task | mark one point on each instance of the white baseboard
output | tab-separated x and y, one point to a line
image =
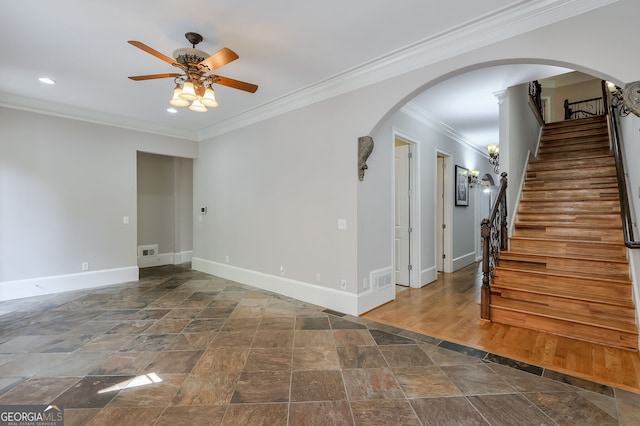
182	257
428	276
375	297
18	289
337	300
165	259
462	261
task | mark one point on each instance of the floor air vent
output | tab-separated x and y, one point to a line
148	256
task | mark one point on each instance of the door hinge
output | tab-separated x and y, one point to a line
410	267
444	225
410	229
410	155
444	256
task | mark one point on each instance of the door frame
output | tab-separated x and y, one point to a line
414	208
446	204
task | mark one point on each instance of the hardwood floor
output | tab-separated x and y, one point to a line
448	309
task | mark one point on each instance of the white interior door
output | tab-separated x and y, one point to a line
402	214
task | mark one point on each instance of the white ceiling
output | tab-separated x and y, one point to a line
284	47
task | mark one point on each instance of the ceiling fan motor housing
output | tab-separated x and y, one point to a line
189	55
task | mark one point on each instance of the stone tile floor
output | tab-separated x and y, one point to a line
179	347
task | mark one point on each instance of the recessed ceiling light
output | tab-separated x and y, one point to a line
172	110
46	80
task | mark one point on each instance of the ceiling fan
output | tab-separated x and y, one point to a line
194	83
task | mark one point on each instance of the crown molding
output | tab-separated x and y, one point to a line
90	116
415	112
480	32
523	17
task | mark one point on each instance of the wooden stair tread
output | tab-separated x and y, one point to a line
555	291
511	255
601	288
601	243
540	310
593	186
573	274
565	224
602	336
567	272
571	152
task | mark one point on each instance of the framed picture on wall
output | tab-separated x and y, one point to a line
462	186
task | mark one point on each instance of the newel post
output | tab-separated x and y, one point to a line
485	295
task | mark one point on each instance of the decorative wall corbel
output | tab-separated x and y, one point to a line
365	146
628	99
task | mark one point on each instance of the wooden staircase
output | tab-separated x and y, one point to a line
566	270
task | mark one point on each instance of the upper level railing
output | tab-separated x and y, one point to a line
613	106
585	108
535	101
493	232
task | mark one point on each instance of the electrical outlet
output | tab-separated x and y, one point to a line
343	284
226	259
365	284
318	277
282	271
85	266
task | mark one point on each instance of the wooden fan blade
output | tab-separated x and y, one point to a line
220	58
236	84
154	52
152	76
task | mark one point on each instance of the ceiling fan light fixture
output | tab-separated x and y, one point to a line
197	106
194	83
176	100
209	98
188	92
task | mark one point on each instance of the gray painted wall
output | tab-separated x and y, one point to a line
66	186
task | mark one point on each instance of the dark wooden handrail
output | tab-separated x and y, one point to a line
584	108
493	231
613	119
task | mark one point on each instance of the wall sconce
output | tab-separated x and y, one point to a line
473	177
494	157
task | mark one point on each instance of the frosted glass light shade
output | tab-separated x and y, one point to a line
197	106
176	100
188	92
209	98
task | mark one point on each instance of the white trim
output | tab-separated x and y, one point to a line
337	300
10	290
634	271
373	298
475	34
82	114
464	260
422	116
165	259
428	275
416	235
182	257
514	214
447	244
